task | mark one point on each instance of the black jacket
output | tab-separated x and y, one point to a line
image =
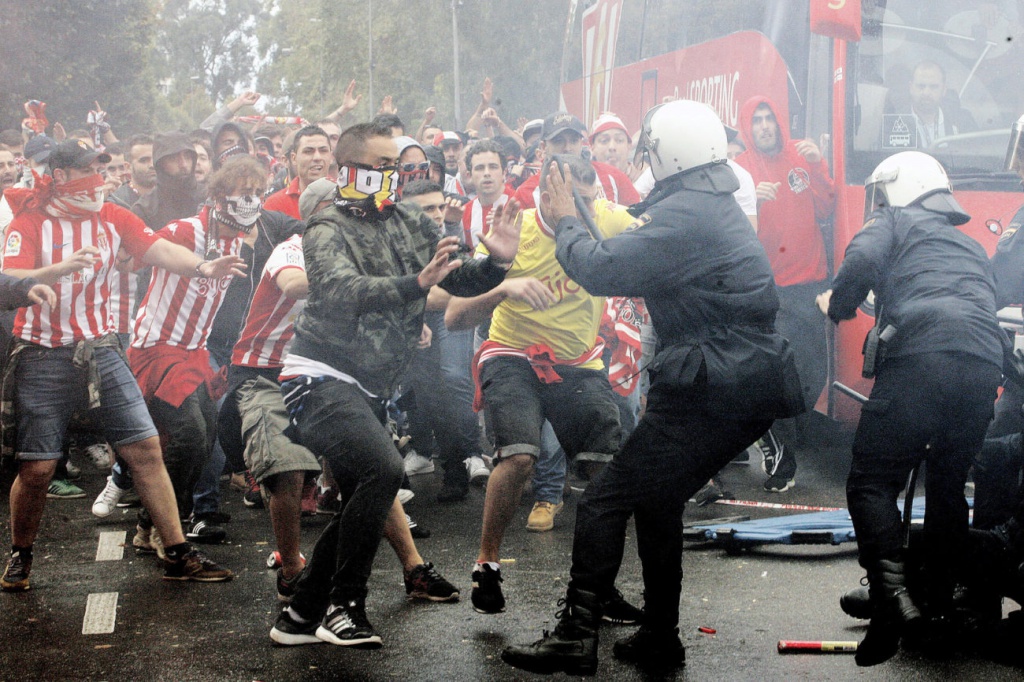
1008	263
14	291
931	281
709	288
364	314
172	198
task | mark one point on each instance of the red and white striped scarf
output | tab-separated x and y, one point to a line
620	329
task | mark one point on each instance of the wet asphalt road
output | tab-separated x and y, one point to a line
175	631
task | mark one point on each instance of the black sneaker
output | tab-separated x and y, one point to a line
347	625
426	583
286	586
197	567
486	595
709	494
418	531
290	632
15	578
205	531
773	451
778	484
615	609
652	649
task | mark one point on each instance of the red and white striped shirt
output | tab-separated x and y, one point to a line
476	218
179	311
124	291
270	326
36	240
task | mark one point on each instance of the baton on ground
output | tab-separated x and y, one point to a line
797	647
775	505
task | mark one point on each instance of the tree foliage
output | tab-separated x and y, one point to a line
161	64
71	53
209	44
313	48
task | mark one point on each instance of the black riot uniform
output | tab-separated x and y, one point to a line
997	471
720	376
935	387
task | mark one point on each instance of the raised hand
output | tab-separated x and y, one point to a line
222	267
441	264
502	241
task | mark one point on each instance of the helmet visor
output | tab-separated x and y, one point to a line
874	198
644	145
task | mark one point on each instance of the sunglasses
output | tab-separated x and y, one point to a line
414	167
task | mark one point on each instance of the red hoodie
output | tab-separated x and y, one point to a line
788	226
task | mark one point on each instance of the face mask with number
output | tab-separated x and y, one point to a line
362	187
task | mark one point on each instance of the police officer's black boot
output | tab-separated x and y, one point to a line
892	612
572	647
856	603
652	648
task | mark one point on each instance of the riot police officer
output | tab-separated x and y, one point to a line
721	374
934	385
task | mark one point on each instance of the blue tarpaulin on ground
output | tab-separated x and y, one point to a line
817	528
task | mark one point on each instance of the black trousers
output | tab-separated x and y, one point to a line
932	406
344	426
187	433
673	451
997	490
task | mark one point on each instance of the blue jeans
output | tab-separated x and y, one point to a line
206	498
50	389
549	471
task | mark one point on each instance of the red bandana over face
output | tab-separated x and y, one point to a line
78	198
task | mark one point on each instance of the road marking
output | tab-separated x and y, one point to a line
111	547
100	613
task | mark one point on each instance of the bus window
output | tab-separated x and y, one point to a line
940	77
649	89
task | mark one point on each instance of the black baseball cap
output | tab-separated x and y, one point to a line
75	154
39	148
561	121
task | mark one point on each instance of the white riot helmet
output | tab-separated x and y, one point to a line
680	136
912	178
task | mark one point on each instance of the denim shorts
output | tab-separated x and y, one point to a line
50	390
580	408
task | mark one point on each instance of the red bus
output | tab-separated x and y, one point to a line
840	71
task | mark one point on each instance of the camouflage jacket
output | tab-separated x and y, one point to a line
364	314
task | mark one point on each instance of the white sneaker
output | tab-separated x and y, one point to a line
99	454
415	464
404	495
477	470
107	501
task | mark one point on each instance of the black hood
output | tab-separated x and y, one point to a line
243	142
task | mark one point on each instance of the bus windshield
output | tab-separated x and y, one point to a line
942	77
